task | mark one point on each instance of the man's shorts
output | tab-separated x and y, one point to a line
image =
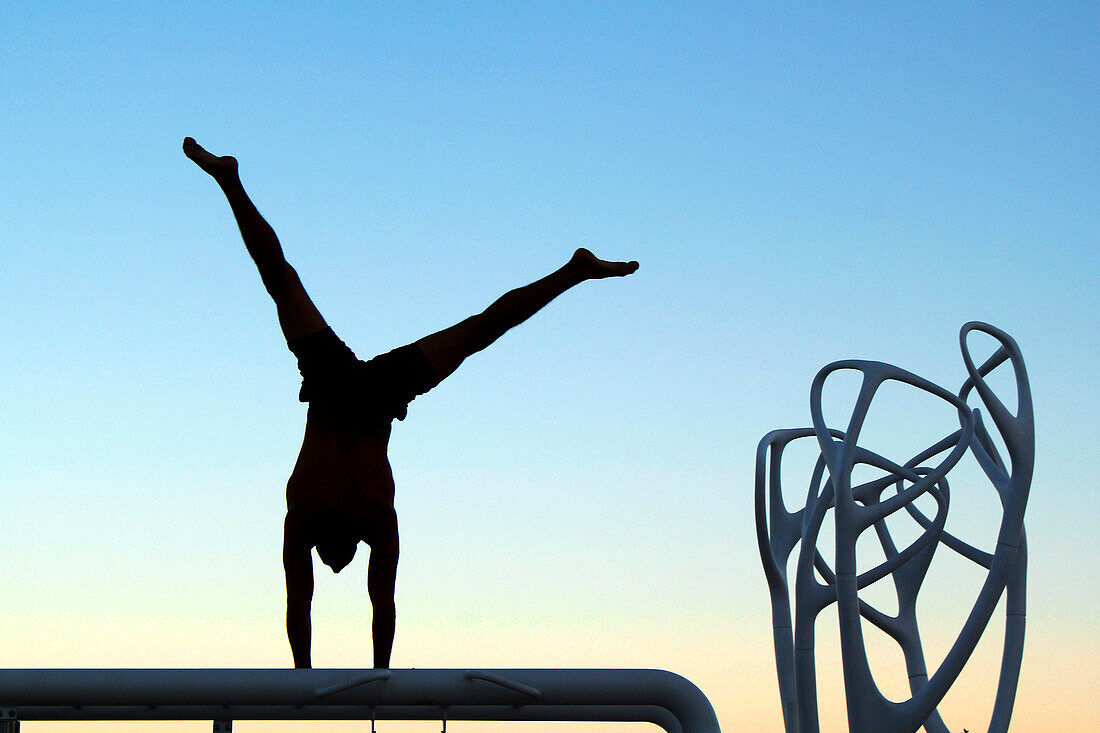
335	381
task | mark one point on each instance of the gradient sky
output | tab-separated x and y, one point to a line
800	184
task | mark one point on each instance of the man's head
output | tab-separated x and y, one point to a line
337	552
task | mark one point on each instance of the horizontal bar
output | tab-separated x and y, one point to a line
500	713
409	694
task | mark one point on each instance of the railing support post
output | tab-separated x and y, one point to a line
9	720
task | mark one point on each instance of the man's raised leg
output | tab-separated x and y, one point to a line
448	348
298	316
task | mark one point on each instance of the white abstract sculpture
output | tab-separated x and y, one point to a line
866	506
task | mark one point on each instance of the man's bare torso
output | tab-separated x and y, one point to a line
342	471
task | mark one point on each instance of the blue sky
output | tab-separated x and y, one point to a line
800	184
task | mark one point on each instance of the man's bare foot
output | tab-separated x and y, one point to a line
217	166
591	267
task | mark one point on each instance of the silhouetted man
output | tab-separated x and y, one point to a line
341	490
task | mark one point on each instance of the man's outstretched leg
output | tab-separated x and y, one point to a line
298	316
447	349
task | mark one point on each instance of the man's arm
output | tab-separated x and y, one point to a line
298	566
381	582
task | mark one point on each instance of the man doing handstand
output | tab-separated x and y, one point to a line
341	490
